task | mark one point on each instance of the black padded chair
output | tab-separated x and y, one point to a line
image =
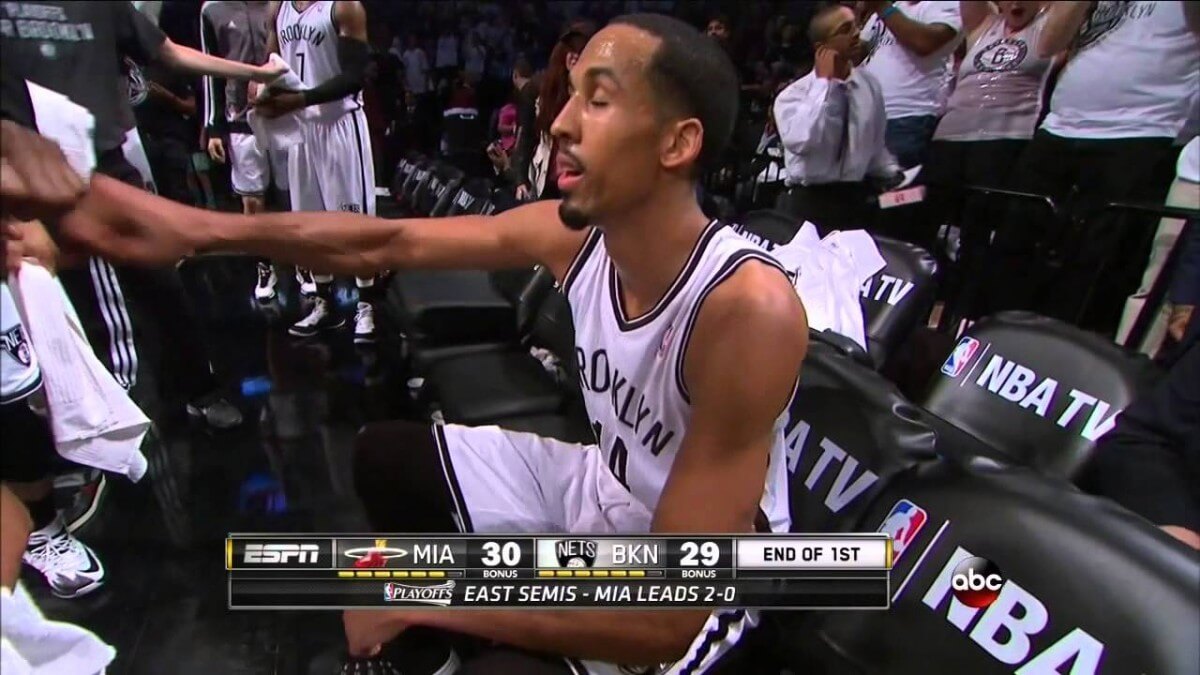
1089	587
848	431
898	298
1039	390
770	225
487	387
404	171
416	183
472	199
448	179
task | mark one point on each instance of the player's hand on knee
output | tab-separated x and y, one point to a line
216	150
367	631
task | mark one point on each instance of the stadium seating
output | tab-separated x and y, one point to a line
898	298
1088	586
1039	390
774	226
404	171
472	199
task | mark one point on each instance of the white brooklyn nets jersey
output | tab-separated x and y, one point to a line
19	371
631	368
308	42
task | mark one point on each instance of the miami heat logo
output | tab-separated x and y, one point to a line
374	556
17	346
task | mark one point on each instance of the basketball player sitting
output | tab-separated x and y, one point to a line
699	332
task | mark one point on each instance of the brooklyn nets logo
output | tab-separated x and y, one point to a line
138	89
1107	16
1003	54
16	345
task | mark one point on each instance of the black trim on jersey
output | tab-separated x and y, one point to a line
614	284
460	504
25	391
712	638
362	164
301	12
731	265
580	259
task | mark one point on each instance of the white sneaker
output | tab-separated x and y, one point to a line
364	324
70	567
308	285
264	290
322	317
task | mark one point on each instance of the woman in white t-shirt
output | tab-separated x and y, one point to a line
990	117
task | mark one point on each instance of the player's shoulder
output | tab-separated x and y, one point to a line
757	299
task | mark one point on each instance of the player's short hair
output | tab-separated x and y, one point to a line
693	77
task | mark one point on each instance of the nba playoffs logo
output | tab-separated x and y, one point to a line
903	523
976	582
963	352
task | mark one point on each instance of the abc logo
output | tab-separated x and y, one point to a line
976	582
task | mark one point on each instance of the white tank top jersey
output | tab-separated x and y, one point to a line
1131	76
308	41
1000	85
20	375
631	369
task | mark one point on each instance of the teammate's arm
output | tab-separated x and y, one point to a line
920	38
125	224
1063	20
353	53
272	31
740	370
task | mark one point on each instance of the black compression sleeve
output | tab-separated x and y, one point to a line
352	57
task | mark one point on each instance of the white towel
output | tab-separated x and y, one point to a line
282	131
93	420
828	274
31	644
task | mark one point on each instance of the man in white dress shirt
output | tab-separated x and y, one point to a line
832	125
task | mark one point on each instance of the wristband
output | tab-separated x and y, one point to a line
888	11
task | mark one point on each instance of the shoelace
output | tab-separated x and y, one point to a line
360	312
53	549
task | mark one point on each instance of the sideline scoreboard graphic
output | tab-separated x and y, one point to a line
847	571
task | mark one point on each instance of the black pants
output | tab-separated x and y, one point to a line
29	453
170	161
951	166
399	478
1081	267
131	314
833	206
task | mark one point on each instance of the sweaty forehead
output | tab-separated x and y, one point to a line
625	50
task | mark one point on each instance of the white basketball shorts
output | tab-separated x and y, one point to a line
515	482
333	169
252	168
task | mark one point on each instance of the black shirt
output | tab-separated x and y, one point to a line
76	48
156	118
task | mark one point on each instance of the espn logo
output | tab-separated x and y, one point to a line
961	357
293	554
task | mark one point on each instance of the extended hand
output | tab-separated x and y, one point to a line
279	103
366	630
36	182
269	72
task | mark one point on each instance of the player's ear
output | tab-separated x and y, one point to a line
682	141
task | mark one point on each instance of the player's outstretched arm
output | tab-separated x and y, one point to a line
740	369
129	225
